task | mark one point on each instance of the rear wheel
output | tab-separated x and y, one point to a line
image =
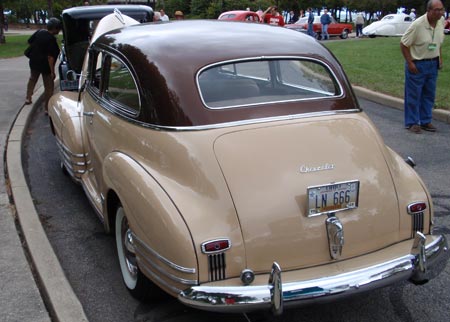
344	34
138	285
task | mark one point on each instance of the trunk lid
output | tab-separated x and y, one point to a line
269	168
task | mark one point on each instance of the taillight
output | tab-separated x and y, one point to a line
215	246
416	207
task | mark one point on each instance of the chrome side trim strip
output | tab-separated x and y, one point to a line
66	149
160	280
161	270
163	259
243	298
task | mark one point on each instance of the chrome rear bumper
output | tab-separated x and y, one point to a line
422	264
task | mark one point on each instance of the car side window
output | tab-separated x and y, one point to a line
121	89
95	71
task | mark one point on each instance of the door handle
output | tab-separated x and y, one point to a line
90	115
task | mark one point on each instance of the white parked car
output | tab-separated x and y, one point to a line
390	25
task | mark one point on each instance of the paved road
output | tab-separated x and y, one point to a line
88	257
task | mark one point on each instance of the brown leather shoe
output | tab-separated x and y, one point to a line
415	129
428	127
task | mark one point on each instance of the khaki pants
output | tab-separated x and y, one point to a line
48	85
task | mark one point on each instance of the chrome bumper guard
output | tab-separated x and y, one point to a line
422	264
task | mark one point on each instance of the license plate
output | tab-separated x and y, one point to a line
332	197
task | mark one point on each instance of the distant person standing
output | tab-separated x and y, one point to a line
421	48
156	16
412	14
293	17
325	20
359	23
179	15
272	17
164	17
43	55
310	22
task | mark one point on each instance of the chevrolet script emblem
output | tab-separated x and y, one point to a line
307	169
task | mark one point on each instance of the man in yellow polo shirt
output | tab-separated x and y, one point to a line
421	47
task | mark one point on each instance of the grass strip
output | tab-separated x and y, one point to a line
377	64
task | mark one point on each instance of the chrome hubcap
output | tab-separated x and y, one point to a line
128	249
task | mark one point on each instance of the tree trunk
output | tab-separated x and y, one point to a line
50	8
2	24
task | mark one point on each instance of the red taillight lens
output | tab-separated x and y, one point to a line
214	246
416	207
230	301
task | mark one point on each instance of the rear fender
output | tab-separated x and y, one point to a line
410	188
163	240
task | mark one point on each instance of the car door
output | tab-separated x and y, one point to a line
114	99
91	103
333	27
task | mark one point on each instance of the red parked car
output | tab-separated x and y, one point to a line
334	29
240	15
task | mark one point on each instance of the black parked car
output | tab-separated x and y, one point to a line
78	26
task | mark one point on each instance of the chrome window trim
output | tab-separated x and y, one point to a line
237	123
163	259
100	94
263	58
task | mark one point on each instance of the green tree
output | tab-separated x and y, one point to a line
199	8
170	6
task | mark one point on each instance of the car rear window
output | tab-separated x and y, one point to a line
266	81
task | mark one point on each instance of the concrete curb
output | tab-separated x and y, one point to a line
397	103
59	296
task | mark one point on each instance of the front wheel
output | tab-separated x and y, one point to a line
137	284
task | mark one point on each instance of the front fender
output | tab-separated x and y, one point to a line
66	122
163	241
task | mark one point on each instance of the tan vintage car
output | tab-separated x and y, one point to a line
237	175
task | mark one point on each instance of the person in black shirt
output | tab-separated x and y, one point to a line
43	55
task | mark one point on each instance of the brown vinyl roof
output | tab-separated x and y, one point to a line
167	56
